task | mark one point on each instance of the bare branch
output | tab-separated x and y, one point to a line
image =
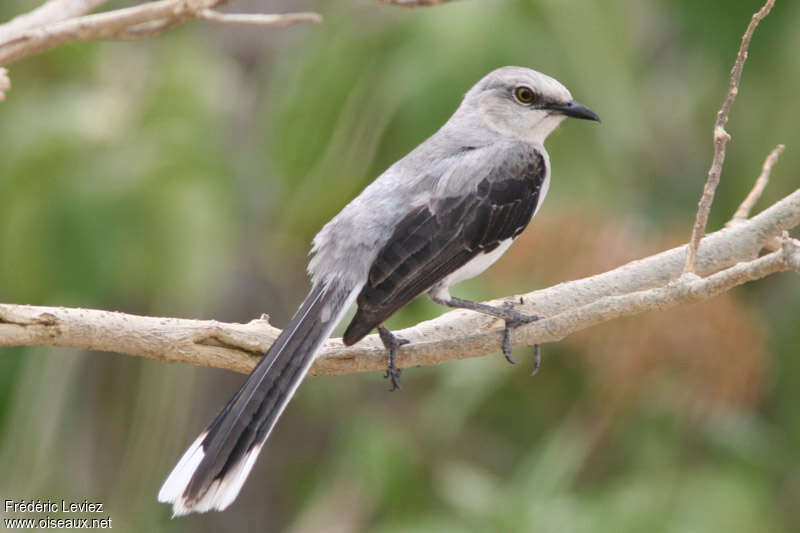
231	346
48	13
98	26
134	22
761	183
276	21
630	289
721	138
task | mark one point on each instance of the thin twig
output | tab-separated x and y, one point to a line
761	183
721	138
257	19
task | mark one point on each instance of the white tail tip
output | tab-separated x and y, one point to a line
219	495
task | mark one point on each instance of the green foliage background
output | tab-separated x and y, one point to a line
186	175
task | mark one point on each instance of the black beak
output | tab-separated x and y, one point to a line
575	110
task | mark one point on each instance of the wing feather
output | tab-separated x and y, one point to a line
436	239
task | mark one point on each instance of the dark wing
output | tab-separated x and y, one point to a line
433	241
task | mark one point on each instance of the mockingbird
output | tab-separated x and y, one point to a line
440	215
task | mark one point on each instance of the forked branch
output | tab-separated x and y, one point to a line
721	138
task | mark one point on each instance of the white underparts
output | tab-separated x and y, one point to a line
469	270
545	185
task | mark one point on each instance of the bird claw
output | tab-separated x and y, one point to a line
392	343
393	373
513	320
507	344
511	316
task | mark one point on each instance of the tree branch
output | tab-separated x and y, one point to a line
58	22
721	138
276	21
48	13
726	256
136	22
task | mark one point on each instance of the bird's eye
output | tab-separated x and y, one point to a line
524	95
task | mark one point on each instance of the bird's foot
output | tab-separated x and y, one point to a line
392	343
513	320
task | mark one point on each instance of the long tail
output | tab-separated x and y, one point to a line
214	468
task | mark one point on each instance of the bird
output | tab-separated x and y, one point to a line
440	215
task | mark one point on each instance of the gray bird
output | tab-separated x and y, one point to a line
440	215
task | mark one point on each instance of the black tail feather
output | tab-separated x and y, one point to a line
245	422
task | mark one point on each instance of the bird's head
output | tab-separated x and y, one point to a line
521	103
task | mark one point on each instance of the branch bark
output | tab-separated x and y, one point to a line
48	13
40	33
728	257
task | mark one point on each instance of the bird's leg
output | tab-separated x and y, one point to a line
392	343
512	317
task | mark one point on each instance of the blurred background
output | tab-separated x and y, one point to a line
186	175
